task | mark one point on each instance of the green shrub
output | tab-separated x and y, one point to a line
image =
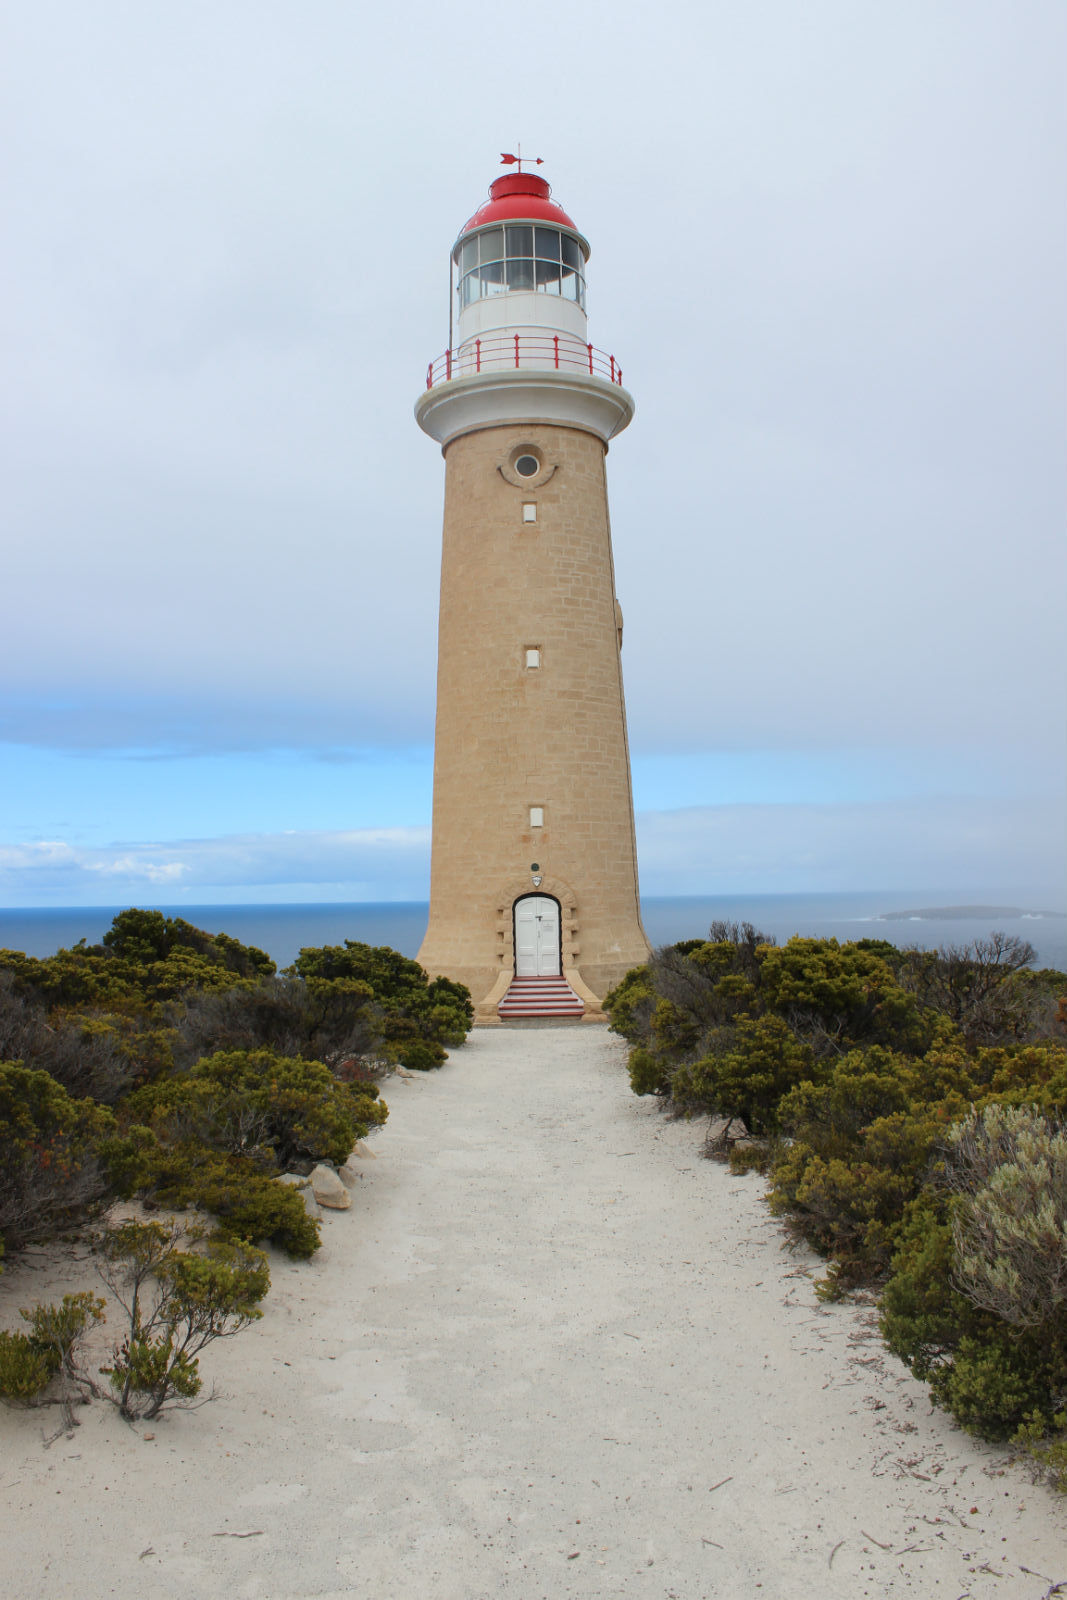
748	1080
451	1003
320	1020
922	1316
1008	1164
629	1002
990	1383
248	1205
30	1361
850	1210
1001	1362
249	1101
1046	1446
25	1370
648	1073
982	988
51	1171
176	1302
422	1056
748	1158
407	1006
944	1303
835	995
855	1091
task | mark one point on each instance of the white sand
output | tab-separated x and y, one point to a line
549	1352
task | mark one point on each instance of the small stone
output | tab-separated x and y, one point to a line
328	1189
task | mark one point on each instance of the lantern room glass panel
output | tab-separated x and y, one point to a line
547	243
520	273
491	244
520	241
547	276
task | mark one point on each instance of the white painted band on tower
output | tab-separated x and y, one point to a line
493	398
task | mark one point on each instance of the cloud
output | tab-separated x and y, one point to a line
965	844
356	864
55	859
969	843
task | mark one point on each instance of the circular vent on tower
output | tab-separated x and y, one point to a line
525	467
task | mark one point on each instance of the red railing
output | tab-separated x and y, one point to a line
540	352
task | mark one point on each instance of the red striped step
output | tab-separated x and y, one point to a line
540	997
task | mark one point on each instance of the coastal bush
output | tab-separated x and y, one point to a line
977	1300
408	1005
837	996
909	1107
166	955
292	1111
144	958
86	1055
158	992
178	1067
320	1020
979	987
749	1079
1008	1164
176	1302
979	1369
421	1055
51	1172
1045	1444
246	1200
648	1073
630	1005
30	1362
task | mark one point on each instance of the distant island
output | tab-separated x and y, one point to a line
966	914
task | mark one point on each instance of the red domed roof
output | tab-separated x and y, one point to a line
520	196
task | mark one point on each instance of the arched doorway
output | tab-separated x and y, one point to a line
537	937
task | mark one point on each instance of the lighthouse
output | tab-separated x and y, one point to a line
534	900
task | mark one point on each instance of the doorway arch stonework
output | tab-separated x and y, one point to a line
570	944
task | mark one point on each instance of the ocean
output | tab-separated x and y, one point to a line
282	930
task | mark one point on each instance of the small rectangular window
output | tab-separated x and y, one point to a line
537	816
529	511
533	657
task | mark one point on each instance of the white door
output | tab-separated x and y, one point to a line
536	937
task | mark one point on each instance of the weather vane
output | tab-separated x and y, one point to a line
516	161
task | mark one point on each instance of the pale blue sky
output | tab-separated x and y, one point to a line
828	249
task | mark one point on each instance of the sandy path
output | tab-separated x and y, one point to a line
549	1352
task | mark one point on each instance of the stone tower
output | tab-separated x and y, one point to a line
533	894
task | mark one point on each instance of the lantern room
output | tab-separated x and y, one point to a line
518	258
518	336
519	263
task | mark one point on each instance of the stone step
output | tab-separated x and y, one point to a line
540	997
